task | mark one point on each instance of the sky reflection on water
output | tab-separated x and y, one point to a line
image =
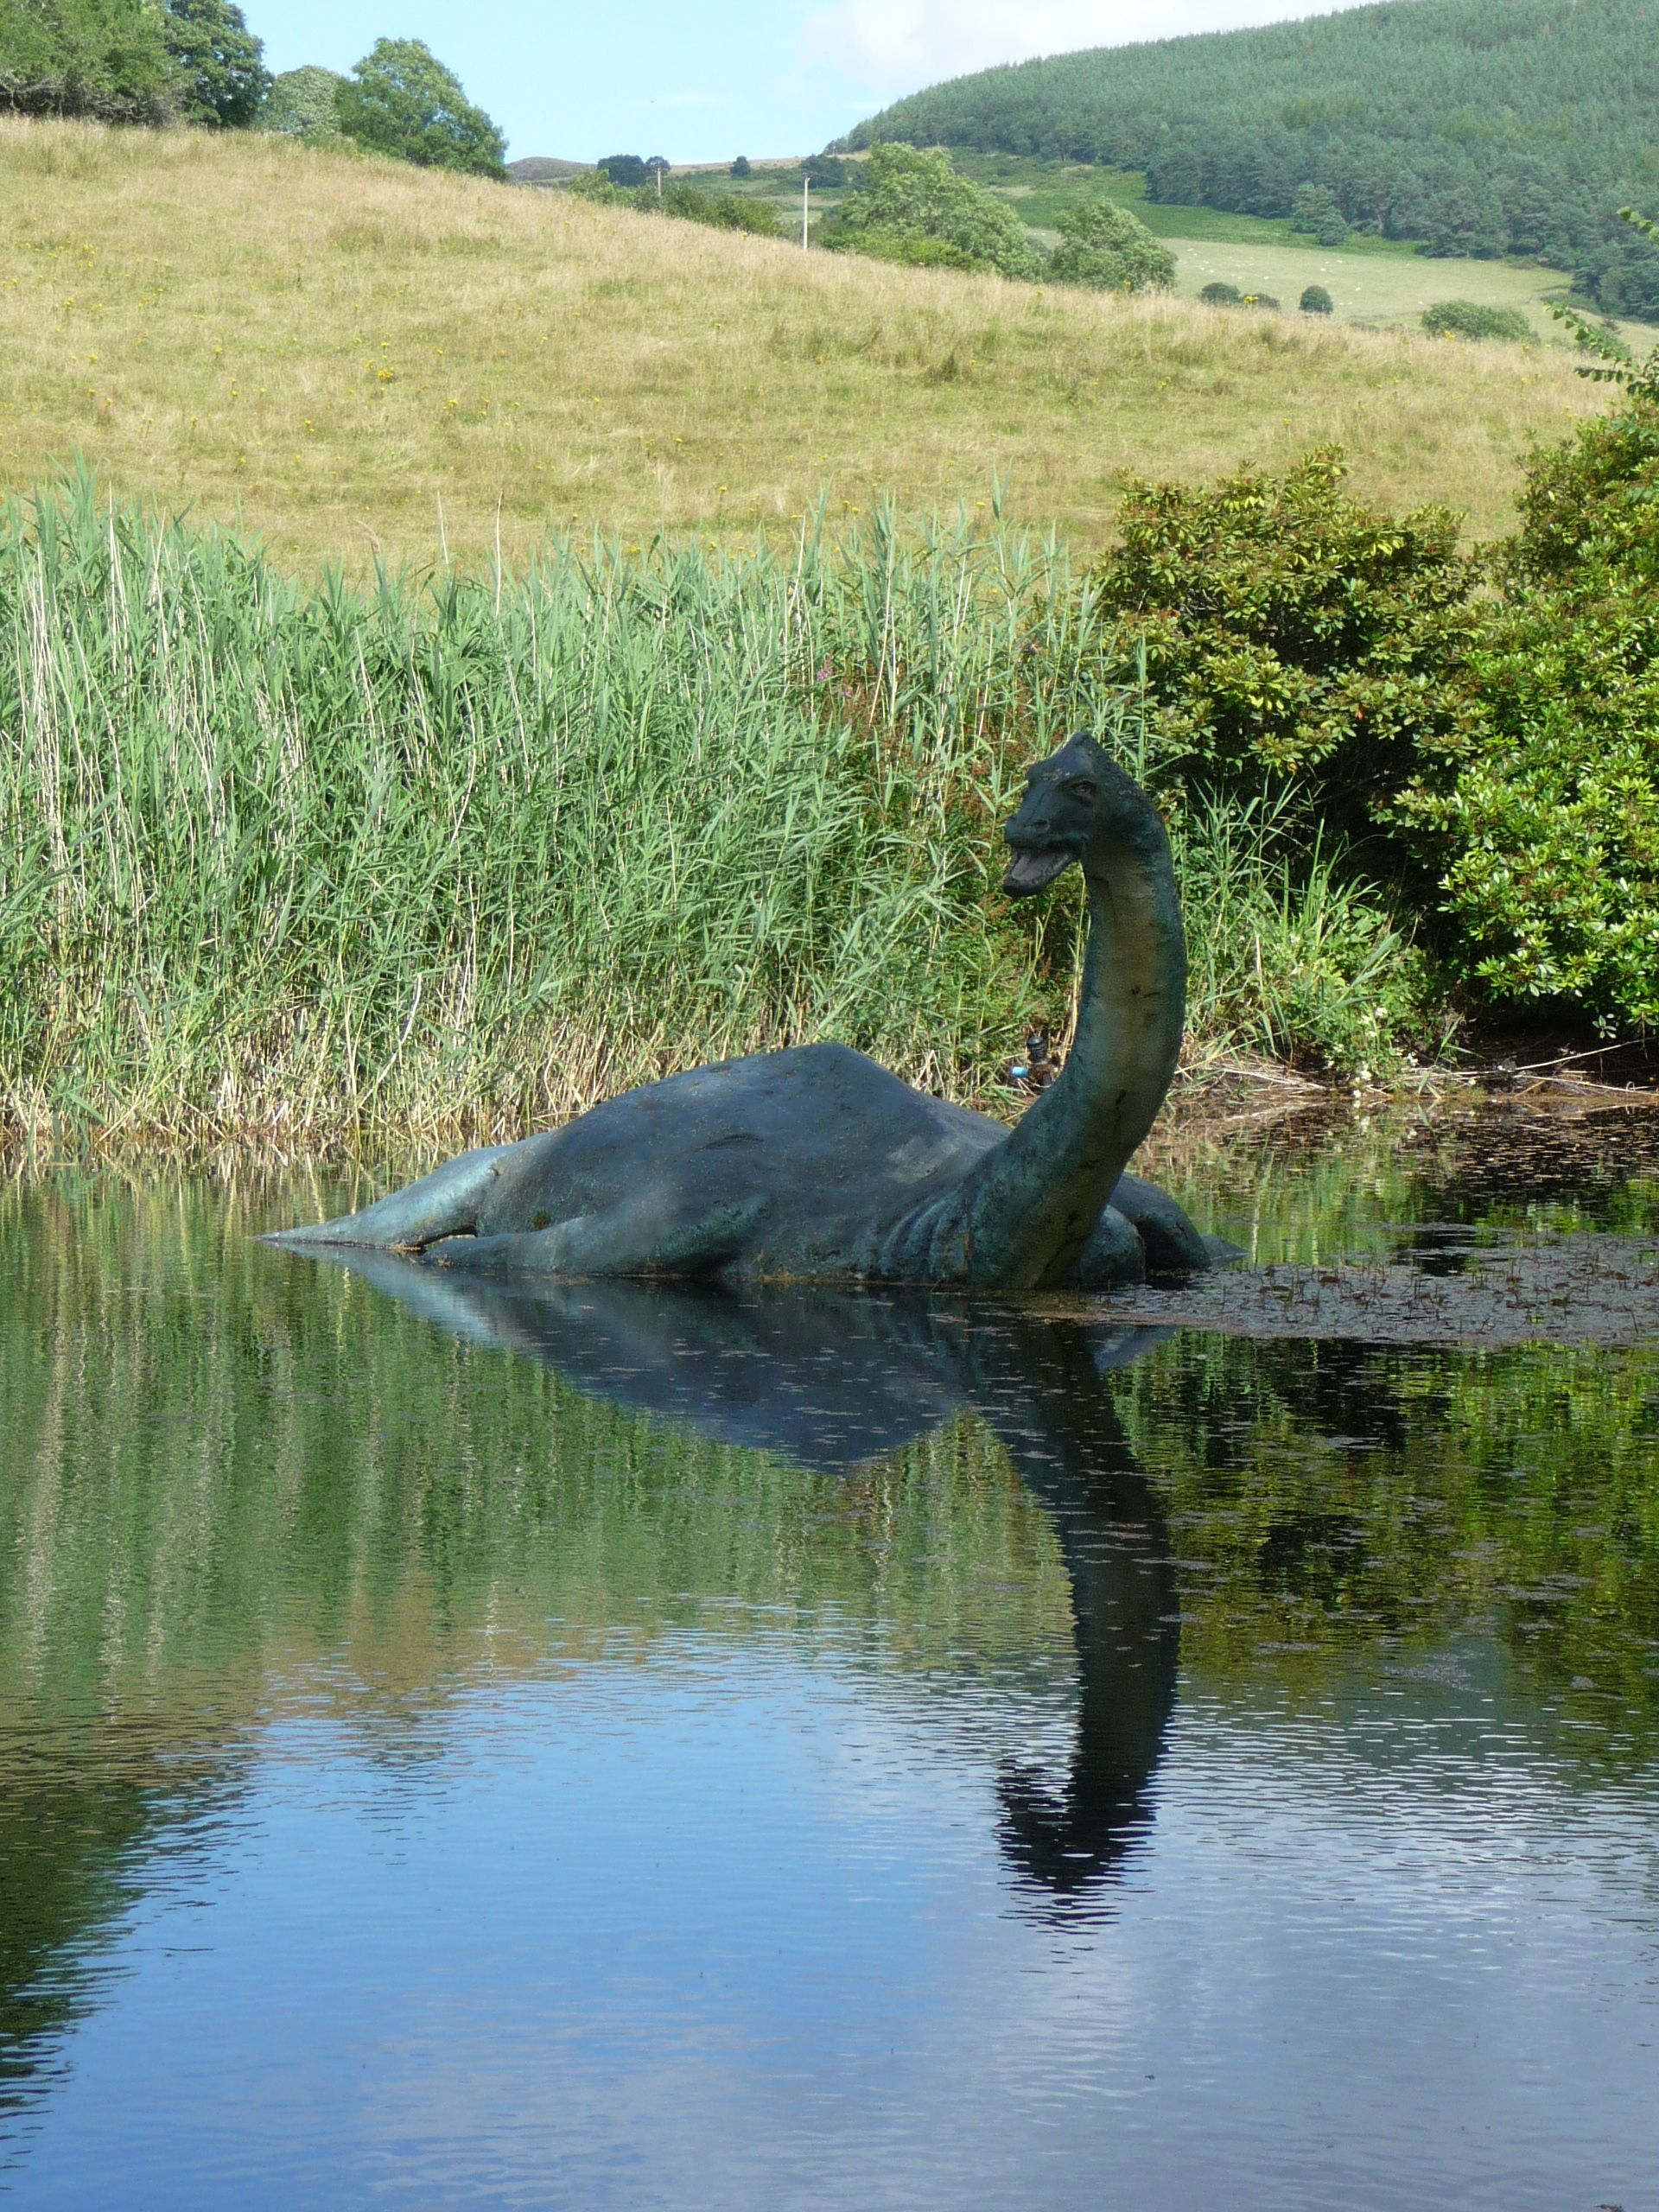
432	1783
729	1930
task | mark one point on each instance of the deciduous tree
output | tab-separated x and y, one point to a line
219	60
401	100
1110	249
906	193
304	104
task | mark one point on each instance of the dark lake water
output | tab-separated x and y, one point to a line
617	1748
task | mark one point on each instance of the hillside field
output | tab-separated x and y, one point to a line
362	360
1372	288
1371	280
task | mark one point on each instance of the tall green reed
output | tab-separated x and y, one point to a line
450	855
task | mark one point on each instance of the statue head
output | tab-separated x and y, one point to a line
1077	799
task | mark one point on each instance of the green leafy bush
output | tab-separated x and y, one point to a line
594	184
1283	633
1545	816
1316	300
1220	295
1469	319
721	210
907	194
1542	808
1108	249
1260	300
907	250
1590	511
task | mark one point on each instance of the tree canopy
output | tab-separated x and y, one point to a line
401	100
103	58
1108	249
219	61
304	102
906	196
1479	127
1318	211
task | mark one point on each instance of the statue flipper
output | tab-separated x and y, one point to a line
446	1202
1114	1255
1172	1244
642	1237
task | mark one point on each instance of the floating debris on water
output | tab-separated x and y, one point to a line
1457	1288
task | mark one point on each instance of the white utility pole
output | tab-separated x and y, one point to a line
806	202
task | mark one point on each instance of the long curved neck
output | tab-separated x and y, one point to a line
1021	1216
1039	1391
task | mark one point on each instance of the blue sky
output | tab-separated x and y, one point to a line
724	77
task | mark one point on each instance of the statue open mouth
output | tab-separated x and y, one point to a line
1034	868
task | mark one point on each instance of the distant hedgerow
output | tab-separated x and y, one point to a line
1471	319
690	203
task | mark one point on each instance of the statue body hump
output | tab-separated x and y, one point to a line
817	1165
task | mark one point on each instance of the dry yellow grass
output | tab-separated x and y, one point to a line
352	356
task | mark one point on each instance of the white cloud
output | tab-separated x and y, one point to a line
898	46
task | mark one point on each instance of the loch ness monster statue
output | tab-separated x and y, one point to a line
816	1165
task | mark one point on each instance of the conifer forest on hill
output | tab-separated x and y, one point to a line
1478	127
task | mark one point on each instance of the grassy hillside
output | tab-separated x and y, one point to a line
1484	127
359	359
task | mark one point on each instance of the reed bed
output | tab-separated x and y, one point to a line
308	865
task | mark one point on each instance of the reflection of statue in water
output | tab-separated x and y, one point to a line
1068	1447
832	1382
816	1166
